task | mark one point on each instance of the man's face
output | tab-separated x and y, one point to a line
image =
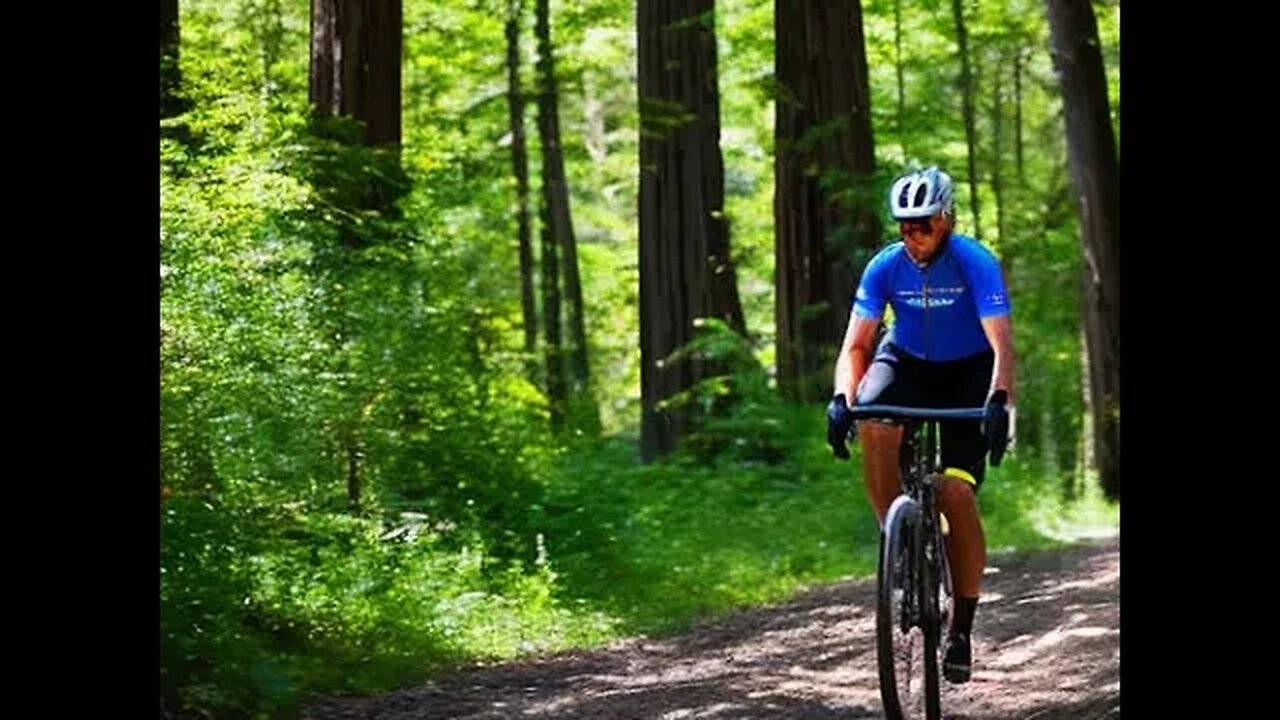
923	236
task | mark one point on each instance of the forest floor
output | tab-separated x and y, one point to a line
1046	646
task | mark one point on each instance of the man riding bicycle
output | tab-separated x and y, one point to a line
950	346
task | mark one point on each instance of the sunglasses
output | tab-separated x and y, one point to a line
909	227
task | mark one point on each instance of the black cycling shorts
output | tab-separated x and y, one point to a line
896	377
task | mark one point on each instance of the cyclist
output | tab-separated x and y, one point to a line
950	345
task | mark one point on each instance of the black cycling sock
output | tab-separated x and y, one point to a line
962	620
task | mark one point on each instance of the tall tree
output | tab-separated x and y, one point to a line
355	64
968	94
686	270
997	144
355	73
170	73
555	198
897	63
553	346
1018	60
520	167
826	222
1095	174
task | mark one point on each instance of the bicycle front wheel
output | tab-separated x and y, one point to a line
906	654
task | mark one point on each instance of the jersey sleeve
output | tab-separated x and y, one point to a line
989	291
873	288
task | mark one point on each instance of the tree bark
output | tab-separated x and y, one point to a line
355	72
968	93
897	63
826	216
171	103
520	168
1095	174
1017	112
997	150
686	270
555	193
355	64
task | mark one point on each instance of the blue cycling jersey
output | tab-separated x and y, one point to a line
937	308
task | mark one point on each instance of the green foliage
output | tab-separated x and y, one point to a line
326	307
260	609
766	514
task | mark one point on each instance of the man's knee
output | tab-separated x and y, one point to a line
955	492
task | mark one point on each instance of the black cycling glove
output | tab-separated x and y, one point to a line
995	426
839	425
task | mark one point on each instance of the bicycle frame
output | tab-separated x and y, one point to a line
920	465
911	527
918	501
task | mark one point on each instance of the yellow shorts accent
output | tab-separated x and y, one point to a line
958	474
961	475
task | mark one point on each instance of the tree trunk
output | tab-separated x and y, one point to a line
1095	174
555	193
686	270
170	72
323	77
355	64
970	126
552	343
1089	457
897	62
826	216
520	166
1017	111
997	150
355	72
593	109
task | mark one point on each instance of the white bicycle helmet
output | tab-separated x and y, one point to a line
921	194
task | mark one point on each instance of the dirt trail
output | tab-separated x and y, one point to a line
1047	645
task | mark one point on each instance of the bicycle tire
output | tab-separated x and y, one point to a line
899	637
